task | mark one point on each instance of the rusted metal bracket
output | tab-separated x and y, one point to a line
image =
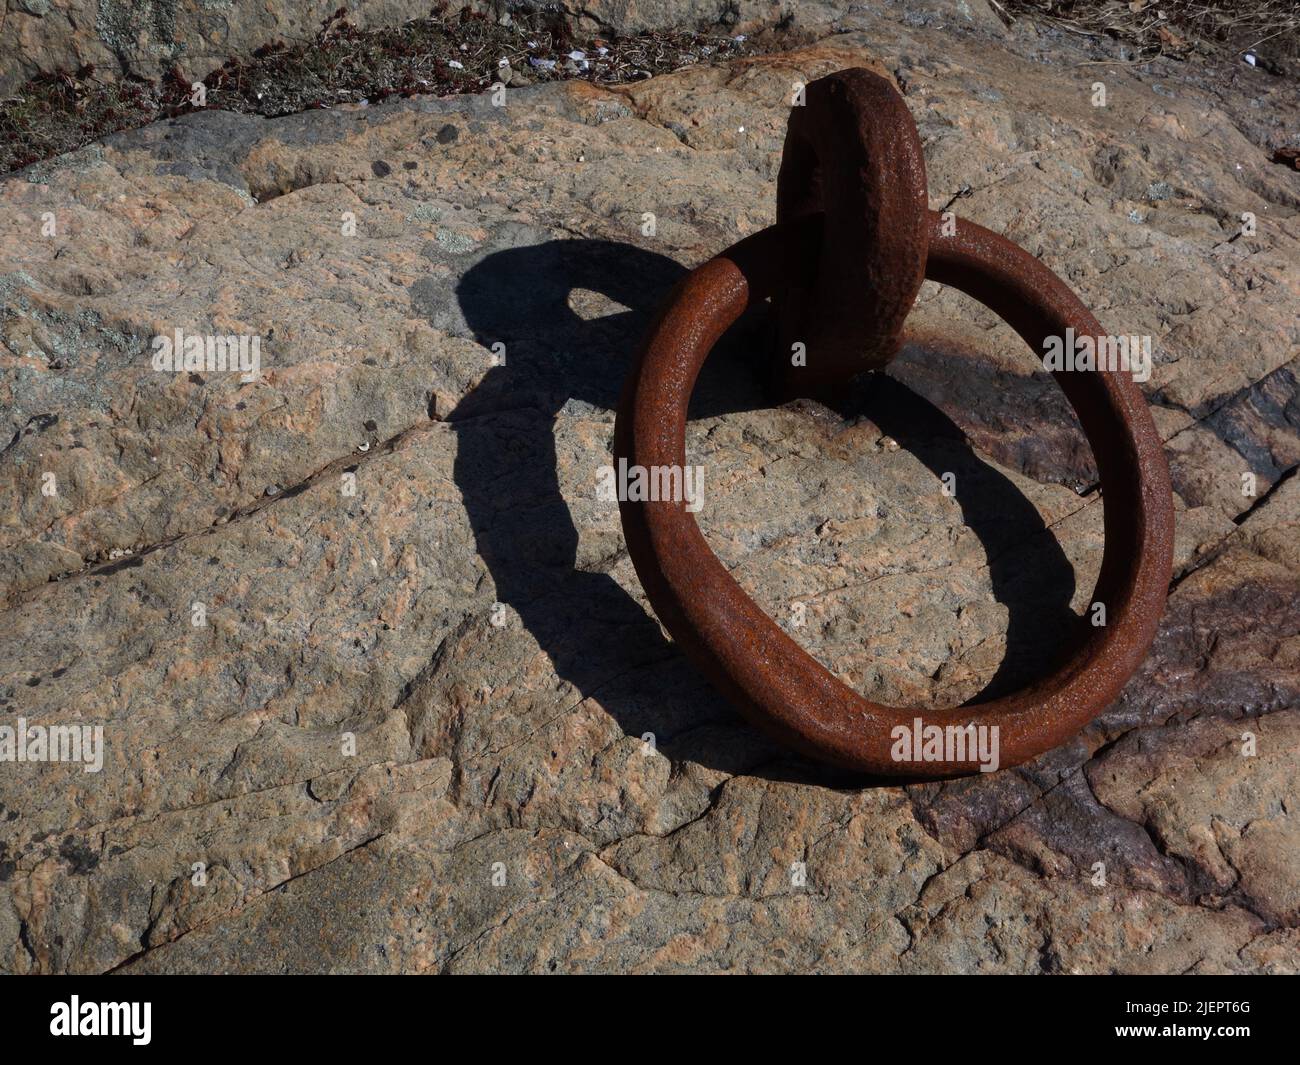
853	240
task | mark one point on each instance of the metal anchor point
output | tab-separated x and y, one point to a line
852	243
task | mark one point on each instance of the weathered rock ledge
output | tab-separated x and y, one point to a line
359	762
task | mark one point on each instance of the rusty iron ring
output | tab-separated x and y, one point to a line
747	656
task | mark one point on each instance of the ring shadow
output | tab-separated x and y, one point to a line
599	638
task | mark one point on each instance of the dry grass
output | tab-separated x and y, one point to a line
1181	27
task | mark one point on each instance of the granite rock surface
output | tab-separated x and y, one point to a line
379	689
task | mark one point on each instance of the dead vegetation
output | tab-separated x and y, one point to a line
1268	29
447	53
